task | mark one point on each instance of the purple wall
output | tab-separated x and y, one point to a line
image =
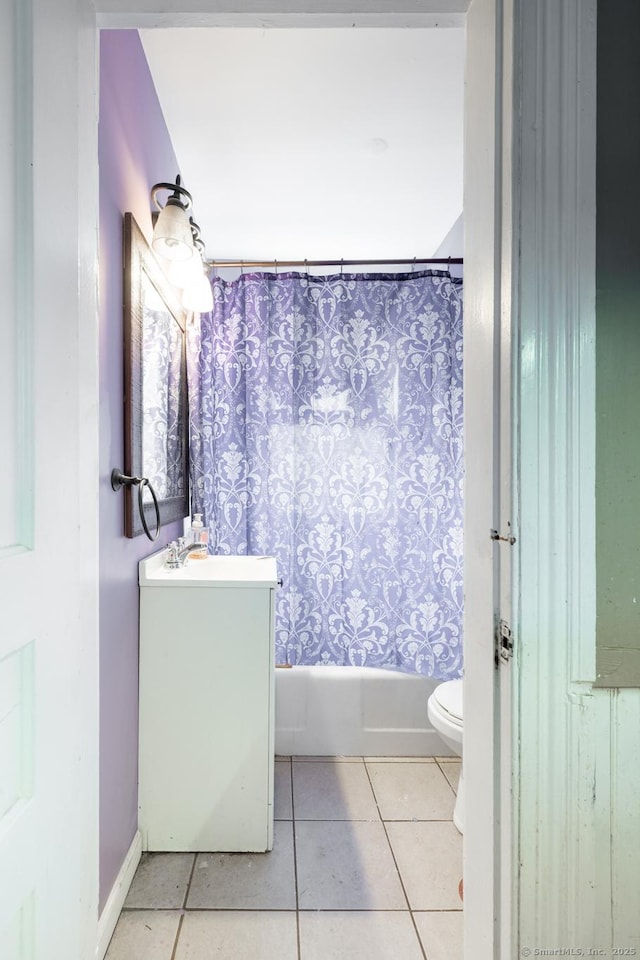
135	152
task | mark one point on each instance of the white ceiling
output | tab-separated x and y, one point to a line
316	143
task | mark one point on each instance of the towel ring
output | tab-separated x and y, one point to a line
118	479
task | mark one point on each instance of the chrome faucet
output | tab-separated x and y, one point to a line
178	553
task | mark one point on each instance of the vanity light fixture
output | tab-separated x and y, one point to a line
177	239
172	235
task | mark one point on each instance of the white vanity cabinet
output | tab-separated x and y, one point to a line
207	704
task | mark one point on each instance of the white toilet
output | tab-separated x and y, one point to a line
444	709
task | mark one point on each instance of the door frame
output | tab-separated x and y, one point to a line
488	272
484	265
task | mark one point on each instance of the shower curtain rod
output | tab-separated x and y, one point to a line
414	261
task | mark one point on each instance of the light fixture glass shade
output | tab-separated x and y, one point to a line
172	236
198	296
182	273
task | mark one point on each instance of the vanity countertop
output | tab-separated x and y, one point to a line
212	571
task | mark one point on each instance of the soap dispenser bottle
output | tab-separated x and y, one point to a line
199	535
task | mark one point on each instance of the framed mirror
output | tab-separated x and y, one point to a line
156	442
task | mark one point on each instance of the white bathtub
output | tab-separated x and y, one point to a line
354	711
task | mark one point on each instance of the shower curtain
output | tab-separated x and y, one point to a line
326	430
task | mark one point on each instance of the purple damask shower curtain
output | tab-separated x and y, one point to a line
326	429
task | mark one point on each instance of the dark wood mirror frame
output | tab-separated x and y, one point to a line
142	268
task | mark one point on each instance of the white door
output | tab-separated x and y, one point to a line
488	473
48	634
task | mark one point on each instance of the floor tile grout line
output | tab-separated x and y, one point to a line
325	759
188	889
404	890
295	862
175	942
420	761
455	793
314	910
372	820
317	910
187	910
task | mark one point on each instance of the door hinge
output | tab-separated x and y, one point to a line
504	643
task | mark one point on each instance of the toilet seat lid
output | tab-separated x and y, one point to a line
449	696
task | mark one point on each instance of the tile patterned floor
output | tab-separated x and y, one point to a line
365	866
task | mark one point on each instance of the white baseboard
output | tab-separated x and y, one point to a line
113	906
